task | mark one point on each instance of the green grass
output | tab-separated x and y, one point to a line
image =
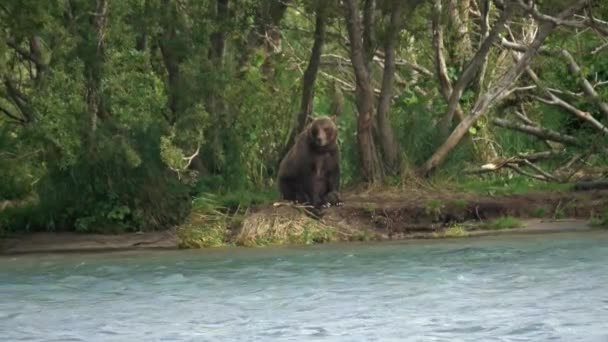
507	222
600	221
540	212
246	198
454	231
497	185
460	204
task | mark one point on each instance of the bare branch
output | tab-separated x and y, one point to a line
587	87
544	173
517	161
416	67
473	67
521	47
586	21
494	94
539	132
445	85
345	85
525	173
12	116
599	48
189	160
555	100
485	30
533	10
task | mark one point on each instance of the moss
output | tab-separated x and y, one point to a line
507	222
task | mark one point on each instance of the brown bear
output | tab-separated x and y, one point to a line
310	171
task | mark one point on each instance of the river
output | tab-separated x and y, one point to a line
527	288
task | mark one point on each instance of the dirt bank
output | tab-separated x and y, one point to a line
374	216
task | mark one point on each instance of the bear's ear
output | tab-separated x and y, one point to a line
334	118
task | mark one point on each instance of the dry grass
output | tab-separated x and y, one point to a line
283	225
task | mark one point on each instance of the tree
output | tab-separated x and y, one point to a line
368	153
501	89
310	75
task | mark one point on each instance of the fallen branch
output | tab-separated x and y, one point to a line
539	132
587	87
521	159
525	173
555	100
591	185
586	22
541	171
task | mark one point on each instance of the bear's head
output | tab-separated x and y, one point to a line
323	131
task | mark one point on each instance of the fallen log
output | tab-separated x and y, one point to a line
590	185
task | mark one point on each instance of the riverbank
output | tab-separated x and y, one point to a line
366	216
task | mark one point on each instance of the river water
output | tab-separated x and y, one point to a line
532	288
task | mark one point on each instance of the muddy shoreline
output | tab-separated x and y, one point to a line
380	216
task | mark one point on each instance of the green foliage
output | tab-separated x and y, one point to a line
600	220
206	226
115	125
497	185
507	222
454	231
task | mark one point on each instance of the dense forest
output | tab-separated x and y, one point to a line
120	113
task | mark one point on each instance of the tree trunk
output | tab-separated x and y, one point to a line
218	38
171	60
141	38
458	11
390	146
309	78
370	162
369	43
93	67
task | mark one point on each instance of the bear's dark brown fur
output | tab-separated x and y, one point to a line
310	171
